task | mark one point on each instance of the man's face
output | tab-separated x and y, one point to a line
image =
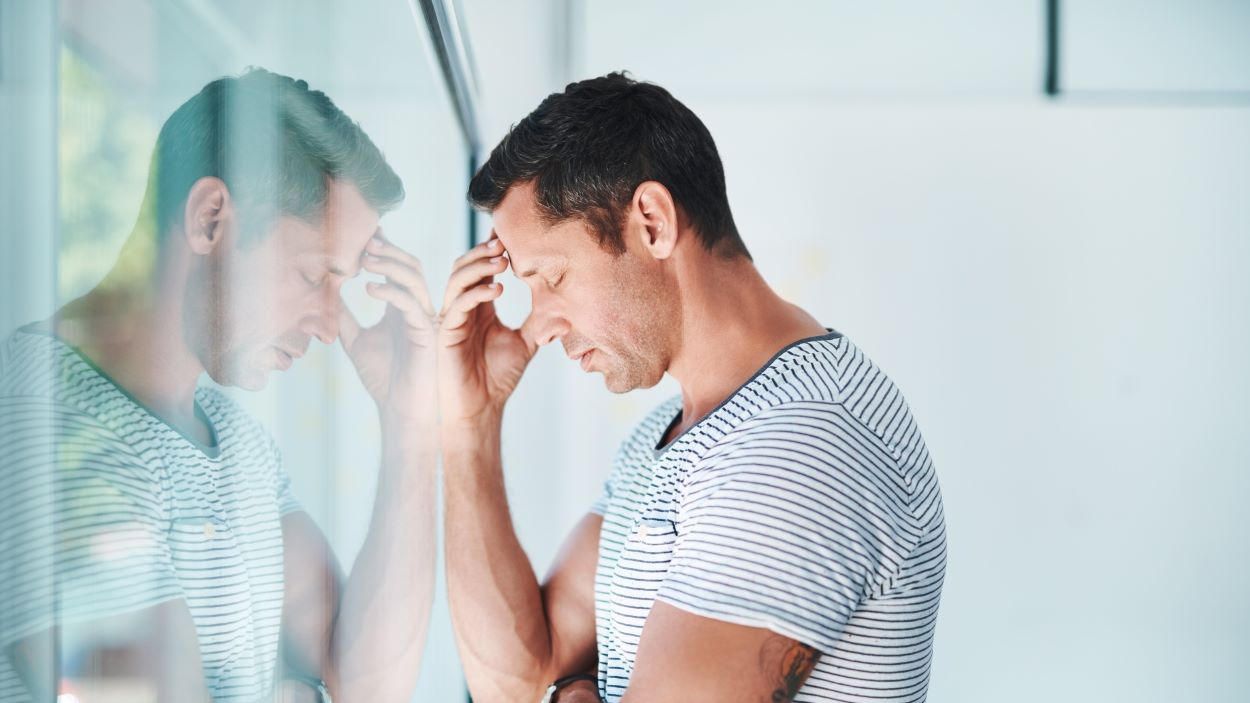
617	315
260	306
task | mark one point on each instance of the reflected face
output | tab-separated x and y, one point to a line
259	307
616	315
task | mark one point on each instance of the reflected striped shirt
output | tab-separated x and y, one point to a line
108	510
805	504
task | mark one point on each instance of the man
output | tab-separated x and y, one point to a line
775	533
150	532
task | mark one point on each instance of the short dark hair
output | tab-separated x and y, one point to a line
274	142
587	149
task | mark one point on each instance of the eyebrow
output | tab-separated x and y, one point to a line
548	264
328	261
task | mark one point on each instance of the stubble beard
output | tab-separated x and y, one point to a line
207	330
643	356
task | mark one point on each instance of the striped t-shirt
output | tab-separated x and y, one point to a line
805	504
107	510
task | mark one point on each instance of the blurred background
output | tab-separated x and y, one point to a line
1035	215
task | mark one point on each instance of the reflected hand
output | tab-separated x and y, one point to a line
480	359
395	358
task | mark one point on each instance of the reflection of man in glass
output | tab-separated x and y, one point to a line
775	533
146	509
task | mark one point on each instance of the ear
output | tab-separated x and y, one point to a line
656	213
208	215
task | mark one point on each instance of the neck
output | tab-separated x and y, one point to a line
740	324
131	326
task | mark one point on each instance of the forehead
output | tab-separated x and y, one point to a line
532	243
346	225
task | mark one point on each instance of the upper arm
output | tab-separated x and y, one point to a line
313	585
689	658
781	541
790	531
568	595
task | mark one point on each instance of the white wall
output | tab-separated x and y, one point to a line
1061	289
1062	294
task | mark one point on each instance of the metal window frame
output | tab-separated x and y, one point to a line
1053	88
450	43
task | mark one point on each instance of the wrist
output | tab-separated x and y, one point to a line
471	431
580	688
414	416
401	427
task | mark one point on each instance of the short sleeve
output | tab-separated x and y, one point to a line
85	532
600	506
287	502
788	525
284	495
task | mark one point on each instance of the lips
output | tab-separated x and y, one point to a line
285	358
570	343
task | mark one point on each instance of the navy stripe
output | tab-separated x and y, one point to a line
109	511
806	503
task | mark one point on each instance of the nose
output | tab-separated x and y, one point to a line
551	332
546	326
323	323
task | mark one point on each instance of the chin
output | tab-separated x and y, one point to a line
620	383
248	378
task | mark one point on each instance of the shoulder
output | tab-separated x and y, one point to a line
803	454
31	364
67	466
839	372
43	429
57	450
804	437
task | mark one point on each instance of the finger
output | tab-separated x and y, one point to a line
472	274
457	314
409	308
395	295
379	245
403	275
349	327
492	247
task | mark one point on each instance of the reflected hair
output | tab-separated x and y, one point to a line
587	149
275	143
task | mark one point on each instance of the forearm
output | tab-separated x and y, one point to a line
380	630
496	602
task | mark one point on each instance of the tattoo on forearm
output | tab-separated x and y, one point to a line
786	664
